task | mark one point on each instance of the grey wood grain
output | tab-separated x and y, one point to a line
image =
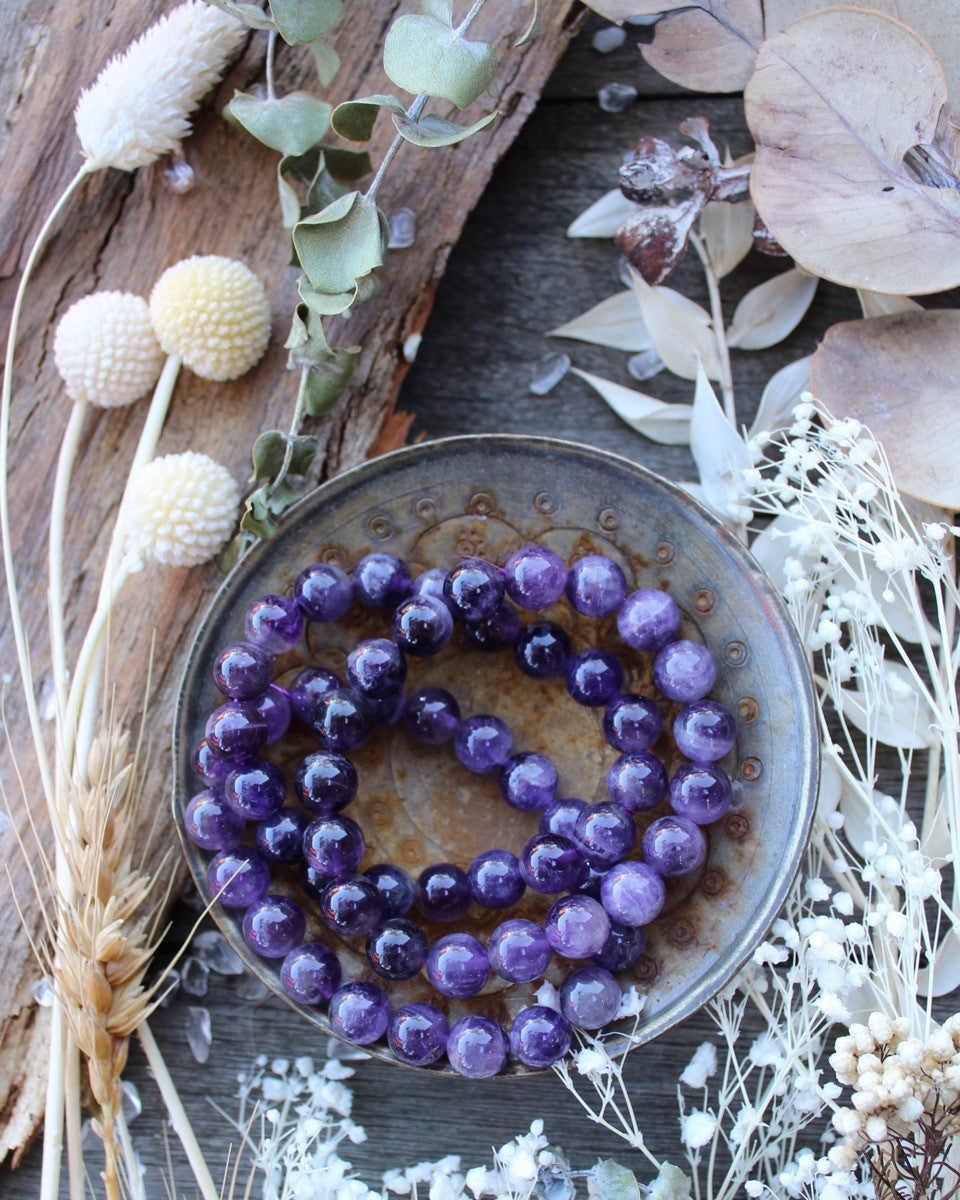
513	276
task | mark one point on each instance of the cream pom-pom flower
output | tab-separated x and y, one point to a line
105	349
181	510
213	313
139	105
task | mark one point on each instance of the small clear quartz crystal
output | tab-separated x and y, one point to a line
548	371
608	39
43	993
199	1032
250	988
402	227
645	365
212	948
615	97
169	987
132	1104
194	977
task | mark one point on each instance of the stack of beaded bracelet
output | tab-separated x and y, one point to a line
579	852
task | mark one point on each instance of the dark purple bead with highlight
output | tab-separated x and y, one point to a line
474	589
376	668
275	623
477	1047
604	833
256	789
236	731
700	792
632	723
210	767
274	707
704	731
310	686
622	948
323	592
596	585
551	863
495	633
443	892
539	1036
535	577
381	580
238	877
312	881
561	816
632	893
418	1034
342	720
495	879
430	583
274	926
326	782
483	743
432	715
674	846
395	887
280	837
388	710
242	671
637	782
519	951
359	1013
594	677
333	846
351	906
542	650
529	782
211	823
422	625
590	997
311	974
458	966
397	949
648	619
684	671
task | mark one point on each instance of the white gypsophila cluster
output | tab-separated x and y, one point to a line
182	509
212	312
140	104
105	349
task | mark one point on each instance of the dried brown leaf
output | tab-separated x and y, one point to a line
709	47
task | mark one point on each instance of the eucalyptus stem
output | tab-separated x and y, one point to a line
414	111
294	429
271	51
716	312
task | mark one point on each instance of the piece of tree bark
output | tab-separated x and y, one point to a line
121	231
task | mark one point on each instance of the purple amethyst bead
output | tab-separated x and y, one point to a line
395	887
275	623
483	743
495	879
561	817
622	948
684	671
596	585
551	863
397	949
312	881
333	846
381	581
376	668
529	782
274	707
590	998
326	782
496	632
539	1036
674	846
422	626
242	671
418	1034
310	686
632	723
359	1013
632	893
637	782
589	885
701	793
704	731
594	677
351	906
519	951
535	577
389	709
209	766
648	619
577	926
432	716
255	790
323	592
274	926
211	823
310	974
443	892
238	877
604	833
477	1047
342	720
430	583
280	837
458	966
474	589
235	731
542	650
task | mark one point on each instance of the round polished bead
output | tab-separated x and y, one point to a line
211	768
674	846
596	585
495	879
551	863
637	782
342	720
648	619
238	877
235	731
483	743
280	836
274	707
684	671
359	1013
590	998
351	906
397	949
632	893
255	790
273	926
622	948
604	833
477	1047
474	589
242	671
443	892
700	792
388	709
529	782
535	577
326	782
381	580
632	723
458	966
432	716
323	592
275	623
539	1036
310	974
561	816
310	686
589	885
577	926
594	677
418	1034
376	668
519	951
333	846
422	626
542	650
395	887
494	633
430	583
211	823
704	731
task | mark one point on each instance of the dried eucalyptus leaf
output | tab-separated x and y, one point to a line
328	377
531	26
269	451
708	45
604	217
341	244
252	15
942	975
771	310
668	424
900	376
780	397
718	450
613	1182
898	716
679	329
883	304
326	62
616	322
305	20
423	54
831	184
431	130
728	231
346	165
354	119
289	200
291	124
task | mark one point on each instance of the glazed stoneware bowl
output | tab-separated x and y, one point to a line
486	496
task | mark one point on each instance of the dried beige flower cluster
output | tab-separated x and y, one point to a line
106	351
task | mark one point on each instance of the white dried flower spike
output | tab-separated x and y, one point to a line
182	509
213	313
105	349
139	105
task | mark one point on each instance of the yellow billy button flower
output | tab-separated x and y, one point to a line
106	351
